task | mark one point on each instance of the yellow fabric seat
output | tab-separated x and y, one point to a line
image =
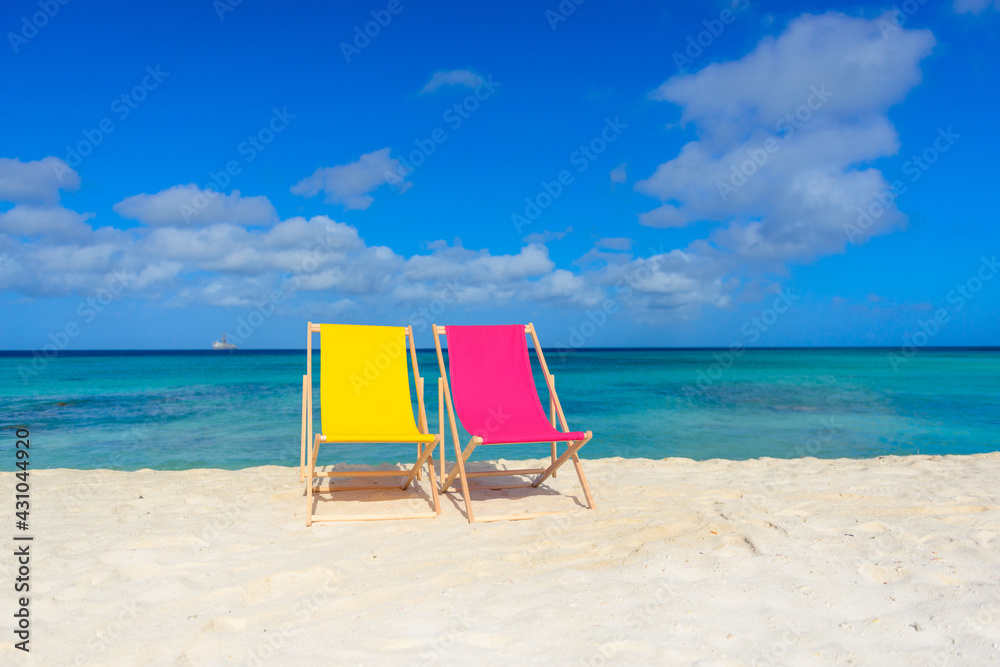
364	397
364	384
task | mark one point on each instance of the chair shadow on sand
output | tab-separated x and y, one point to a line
420	491
331	493
483	492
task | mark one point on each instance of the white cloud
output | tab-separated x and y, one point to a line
224	291
324	311
223	256
975	6
231	265
618	174
819	93
189	205
547	236
226	248
37	182
339	265
31	220
480	267
665	285
455	77
562	287
319	260
867	71
614	243
350	184
59	267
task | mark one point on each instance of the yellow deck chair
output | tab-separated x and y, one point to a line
364	398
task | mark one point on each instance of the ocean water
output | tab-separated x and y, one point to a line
178	410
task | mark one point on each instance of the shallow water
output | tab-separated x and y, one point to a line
177	410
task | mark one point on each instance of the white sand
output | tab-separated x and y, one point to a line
892	561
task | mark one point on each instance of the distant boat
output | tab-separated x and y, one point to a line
223	344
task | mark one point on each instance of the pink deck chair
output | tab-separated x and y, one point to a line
493	391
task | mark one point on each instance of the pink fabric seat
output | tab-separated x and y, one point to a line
493	387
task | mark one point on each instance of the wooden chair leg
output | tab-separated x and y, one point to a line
460	464
570	451
583	482
315	451
302	453
433	478
552	420
459	471
428	452
427	457
455	469
441	422
309	480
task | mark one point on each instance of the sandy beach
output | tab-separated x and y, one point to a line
806	561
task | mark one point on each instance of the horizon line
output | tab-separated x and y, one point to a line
707	348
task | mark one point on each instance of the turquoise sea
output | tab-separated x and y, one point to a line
177	410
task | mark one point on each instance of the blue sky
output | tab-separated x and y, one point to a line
714	157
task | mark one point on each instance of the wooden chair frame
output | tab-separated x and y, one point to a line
311	442
458	470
